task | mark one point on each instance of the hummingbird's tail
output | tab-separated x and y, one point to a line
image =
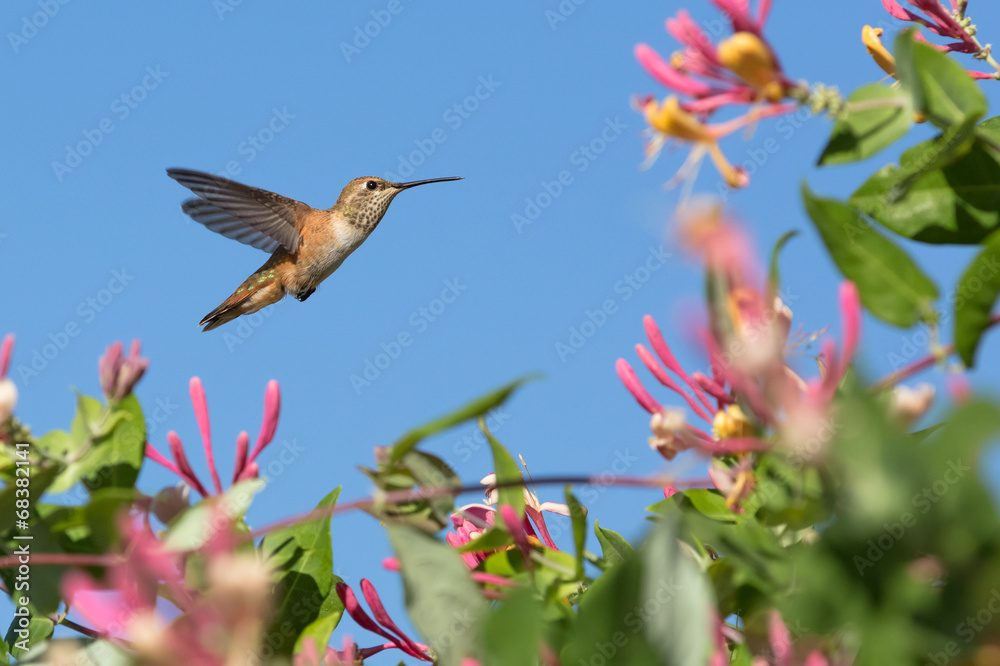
257	291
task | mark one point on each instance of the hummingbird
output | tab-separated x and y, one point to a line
306	244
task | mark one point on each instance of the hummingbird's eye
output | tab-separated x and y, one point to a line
371	185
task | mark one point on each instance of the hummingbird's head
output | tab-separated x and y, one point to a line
365	200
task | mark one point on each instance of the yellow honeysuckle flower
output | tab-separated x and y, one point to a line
870	36
672	121
746	55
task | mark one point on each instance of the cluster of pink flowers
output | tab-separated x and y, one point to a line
751	393
119	373
245	465
222	622
742	70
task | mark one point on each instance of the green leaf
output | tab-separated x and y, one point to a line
578	518
710	503
116	456
890	284
940	87
615	549
444	604
883	115
193	528
955	202
506	471
320	630
609	627
974	299
674	584
468	412
302	558
431	472
39	630
511	634
774	275
41	478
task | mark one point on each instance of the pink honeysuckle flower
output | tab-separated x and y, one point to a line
220	621
948	22
245	466
533	511
381	625
672	433
741	70
8	391
938	19
119	373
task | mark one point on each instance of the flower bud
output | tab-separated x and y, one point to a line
8	399
667	427
746	55
909	404
171	502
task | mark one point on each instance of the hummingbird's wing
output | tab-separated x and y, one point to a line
250	215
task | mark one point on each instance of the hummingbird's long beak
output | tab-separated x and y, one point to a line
414	183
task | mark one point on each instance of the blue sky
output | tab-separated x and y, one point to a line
291	99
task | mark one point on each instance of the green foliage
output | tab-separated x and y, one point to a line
891	285
301	557
977	292
934	199
868	128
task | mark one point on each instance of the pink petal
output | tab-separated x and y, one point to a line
667	75
781	640
187	473
663	351
5	351
382	616
665	379
242	444
159	458
269	423
100	607
493	579
204	425
634	386
816	658
850	312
